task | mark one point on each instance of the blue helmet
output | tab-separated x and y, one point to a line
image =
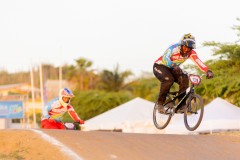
188	40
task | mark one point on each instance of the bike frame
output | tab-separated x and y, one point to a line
175	97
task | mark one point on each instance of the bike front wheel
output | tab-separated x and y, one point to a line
194	113
161	120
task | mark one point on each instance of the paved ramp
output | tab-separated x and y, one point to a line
100	145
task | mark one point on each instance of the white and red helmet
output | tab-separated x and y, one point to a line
65	92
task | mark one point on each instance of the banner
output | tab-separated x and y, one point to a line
11	109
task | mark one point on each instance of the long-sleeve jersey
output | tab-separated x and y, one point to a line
172	56
55	110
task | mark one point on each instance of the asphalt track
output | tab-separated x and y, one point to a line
101	145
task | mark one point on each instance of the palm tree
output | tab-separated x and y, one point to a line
81	75
113	80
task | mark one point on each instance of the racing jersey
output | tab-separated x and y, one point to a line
55	110
172	56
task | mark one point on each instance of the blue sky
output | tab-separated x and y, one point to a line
131	33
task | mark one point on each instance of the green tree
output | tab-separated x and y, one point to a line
146	88
226	83
113	80
94	102
81	74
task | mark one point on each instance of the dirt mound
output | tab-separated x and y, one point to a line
25	144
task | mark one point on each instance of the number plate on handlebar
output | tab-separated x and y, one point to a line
195	79
69	126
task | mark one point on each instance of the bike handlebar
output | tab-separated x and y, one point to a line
185	72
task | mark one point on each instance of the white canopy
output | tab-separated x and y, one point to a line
218	115
124	117
135	116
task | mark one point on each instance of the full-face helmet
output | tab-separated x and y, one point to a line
65	92
188	40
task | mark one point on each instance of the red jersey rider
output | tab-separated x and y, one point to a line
167	71
54	110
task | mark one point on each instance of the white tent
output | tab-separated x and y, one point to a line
218	115
135	116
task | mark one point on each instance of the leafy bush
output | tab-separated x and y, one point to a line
94	102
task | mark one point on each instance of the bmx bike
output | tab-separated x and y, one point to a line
193	114
72	125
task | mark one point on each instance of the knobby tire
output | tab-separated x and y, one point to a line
194	113
160	120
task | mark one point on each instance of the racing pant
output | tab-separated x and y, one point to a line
51	124
167	76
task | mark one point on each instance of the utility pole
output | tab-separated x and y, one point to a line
33	98
60	77
41	84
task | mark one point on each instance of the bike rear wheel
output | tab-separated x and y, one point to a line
194	113
161	120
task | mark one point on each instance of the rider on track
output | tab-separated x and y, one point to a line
166	69
54	110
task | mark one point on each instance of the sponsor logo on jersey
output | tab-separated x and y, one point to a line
200	63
